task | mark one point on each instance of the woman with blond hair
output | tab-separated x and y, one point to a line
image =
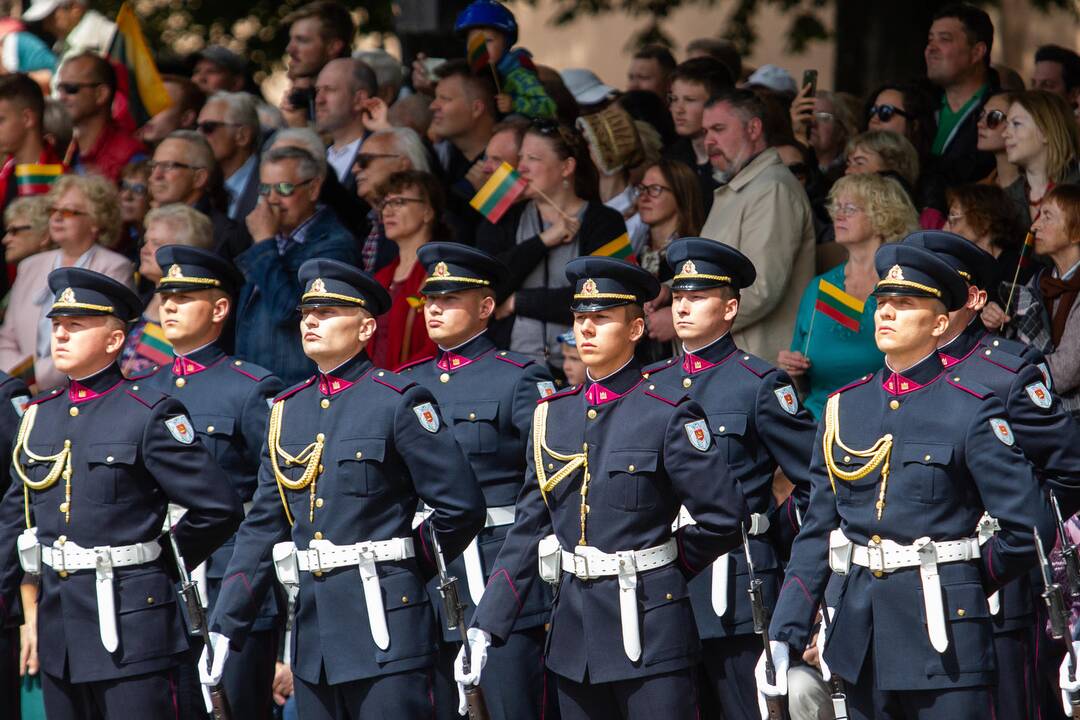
1043	140
833	342
84	221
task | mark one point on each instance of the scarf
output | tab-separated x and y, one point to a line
1064	294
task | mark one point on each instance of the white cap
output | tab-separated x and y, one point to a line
39	10
585	86
775	78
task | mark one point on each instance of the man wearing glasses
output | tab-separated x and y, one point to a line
230	123
86	88
288	226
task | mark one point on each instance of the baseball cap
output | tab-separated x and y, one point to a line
585	86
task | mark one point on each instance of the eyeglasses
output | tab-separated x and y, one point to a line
363	160
396	203
209	127
885	113
283	189
167	166
16	229
845	210
653	191
73	88
67	213
992	118
551	128
133	187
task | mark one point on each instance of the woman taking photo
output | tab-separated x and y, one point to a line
561	219
412	211
833	342
1043	140
991	127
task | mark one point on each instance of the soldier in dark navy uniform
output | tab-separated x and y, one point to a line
1048	435
14	396
756	420
905	462
228	401
349	454
488	396
609	464
96	463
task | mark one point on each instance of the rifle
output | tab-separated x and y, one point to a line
1069	552
1054	597
189	591
455	618
836	683
775	705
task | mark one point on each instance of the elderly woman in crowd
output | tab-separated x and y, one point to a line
1041	138
26	222
882	151
983	214
84	217
833	342
991	127
412	209
1046	313
561	219
175	224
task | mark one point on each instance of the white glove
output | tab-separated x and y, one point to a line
479	642
212	676
780	664
826	674
1067	685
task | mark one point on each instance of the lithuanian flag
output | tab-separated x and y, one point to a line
478	53
499	193
619	248
1027	249
838	305
35	178
129	49
153	344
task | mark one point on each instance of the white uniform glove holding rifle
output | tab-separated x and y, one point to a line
210	674
778	687
479	642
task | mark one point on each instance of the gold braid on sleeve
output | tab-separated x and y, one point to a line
61	466
877	455
310	457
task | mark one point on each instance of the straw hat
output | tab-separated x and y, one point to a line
613	139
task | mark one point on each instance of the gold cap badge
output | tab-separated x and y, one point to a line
589	288
689	268
440	270
318	286
68	296
175	271
895	273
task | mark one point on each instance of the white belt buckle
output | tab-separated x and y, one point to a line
875	557
581	565
59	563
315	556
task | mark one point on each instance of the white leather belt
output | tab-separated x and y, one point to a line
888	556
323	555
474	569
721	566
986	529
65	557
586	563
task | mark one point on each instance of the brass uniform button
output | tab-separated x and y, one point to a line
847	458
591	414
380	373
317	573
64	507
876	539
324	403
669	596
61	540
73	411
960	612
652	387
630	469
135	387
318	502
894	404
150	600
687	382
180	382
444	378
209	428
404	599
996	343
926	458
878	573
318	536
989	351
472	416
62	573
359	455
722	428
551	466
320	438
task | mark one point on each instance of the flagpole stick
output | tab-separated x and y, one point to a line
550	202
809	332
1016	275
495	77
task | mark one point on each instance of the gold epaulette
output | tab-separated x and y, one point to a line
573	462
877	455
61	466
310	457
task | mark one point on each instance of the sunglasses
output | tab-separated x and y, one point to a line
133	187
653	191
396	203
73	88
168	166
551	128
364	160
67	213
885	113
16	229
992	118
283	189
209	127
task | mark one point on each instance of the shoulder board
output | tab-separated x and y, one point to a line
861	381
143	375
147	397
47	395
514	358
1002	358
971	388
414	363
562	393
658	366
1013	346
295	389
397	383
756	365
249	370
671	395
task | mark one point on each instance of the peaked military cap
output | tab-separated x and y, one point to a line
82	292
332	282
602	282
909	270
452	267
186	268
700	263
973	263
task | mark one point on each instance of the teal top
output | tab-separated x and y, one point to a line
837	355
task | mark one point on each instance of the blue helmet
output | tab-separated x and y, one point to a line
488	13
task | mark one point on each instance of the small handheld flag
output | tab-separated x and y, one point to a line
499	193
153	345
1026	251
833	302
619	248
478	52
36	178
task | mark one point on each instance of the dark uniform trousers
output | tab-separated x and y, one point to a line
373	444
13	398
1050	438
131	451
757	424
402	695
228	400
952	455
609	467
488	396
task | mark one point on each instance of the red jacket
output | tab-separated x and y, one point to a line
113	150
401	335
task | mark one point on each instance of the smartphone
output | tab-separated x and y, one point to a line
809	77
